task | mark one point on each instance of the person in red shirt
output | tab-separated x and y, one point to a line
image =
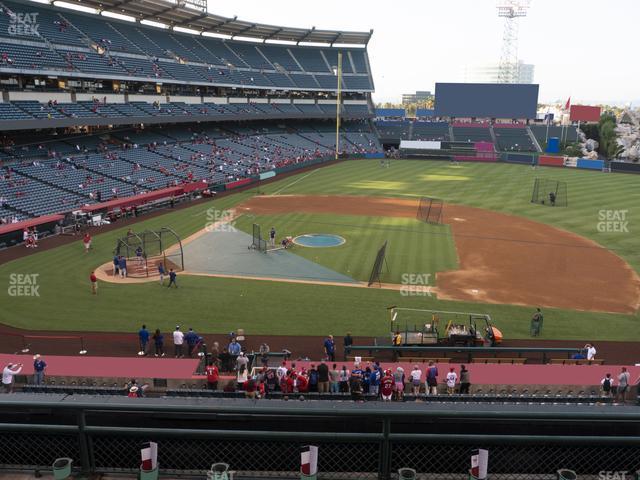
303	383
212	375
386	386
94	283
87	242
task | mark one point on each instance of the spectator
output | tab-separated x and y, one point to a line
432	379
281	371
143	336
330	348
158	340
234	348
348	343
39	367
465	380
250	389
8	373
344	380
225	360
264	354
374	379
323	378
212	375
312	375
241	377
242	361
591	351
386	386
229	387
271	381
334	379
451	379
355	385
607	385
178	341
399	380
172	278
94	283
623	385
133	392
415	376
192	340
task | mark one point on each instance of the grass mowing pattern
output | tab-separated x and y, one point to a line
221	305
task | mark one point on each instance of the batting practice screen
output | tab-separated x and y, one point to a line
547	191
430	210
258	243
492	100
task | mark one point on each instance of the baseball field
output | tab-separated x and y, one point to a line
496	253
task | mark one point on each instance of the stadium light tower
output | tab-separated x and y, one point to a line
510	10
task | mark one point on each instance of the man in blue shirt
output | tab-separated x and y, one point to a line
192	340
39	367
330	348
122	265
161	272
374	380
234	348
143	336
172	278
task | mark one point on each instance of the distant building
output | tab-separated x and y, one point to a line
488	73
419	96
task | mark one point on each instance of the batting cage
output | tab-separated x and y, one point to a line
550	192
430	210
378	264
257	242
145	250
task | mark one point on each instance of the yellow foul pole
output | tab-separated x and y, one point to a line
338	101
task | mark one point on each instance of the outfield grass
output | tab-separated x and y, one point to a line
412	247
221	305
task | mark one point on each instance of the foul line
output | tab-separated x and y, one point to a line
293	183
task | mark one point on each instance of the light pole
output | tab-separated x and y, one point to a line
338	71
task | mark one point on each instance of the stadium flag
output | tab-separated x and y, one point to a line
479	464
308	462
149	454
568	104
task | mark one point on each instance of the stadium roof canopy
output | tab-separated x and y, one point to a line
193	14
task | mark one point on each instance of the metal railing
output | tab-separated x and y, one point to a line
262	439
470	351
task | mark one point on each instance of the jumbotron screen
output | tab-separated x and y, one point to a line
493	100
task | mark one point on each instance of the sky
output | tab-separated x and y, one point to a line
586	49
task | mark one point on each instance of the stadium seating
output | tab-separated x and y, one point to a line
472	134
45	185
514	139
70	41
437	131
540	131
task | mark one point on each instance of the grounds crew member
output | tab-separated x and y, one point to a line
536	323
